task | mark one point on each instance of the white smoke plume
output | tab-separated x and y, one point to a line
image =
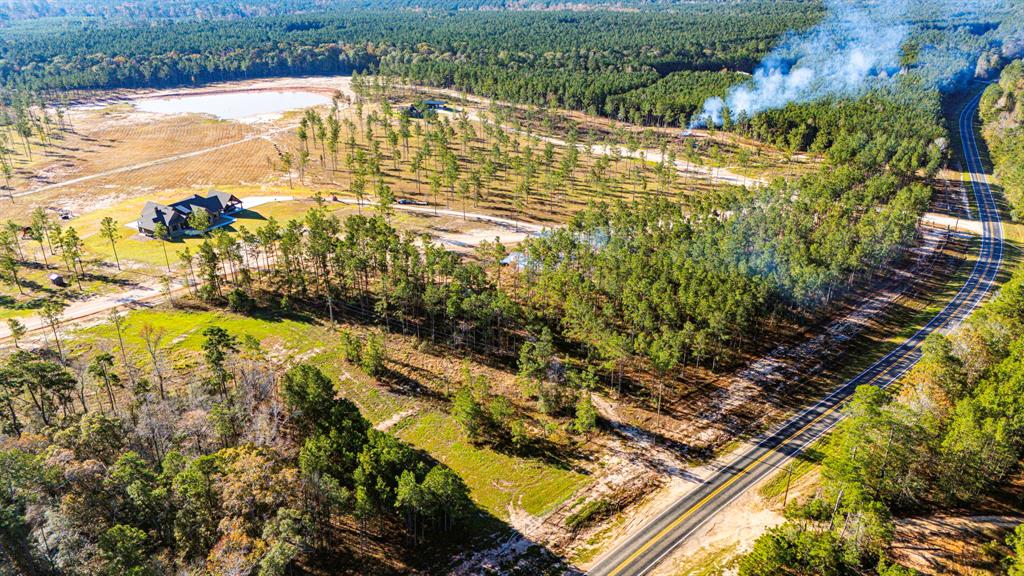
858	44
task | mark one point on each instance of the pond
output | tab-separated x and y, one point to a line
233	105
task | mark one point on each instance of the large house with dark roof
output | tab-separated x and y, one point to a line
175	216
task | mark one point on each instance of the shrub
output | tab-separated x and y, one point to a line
588	514
240	302
374	355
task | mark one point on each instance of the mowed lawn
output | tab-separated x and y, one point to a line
134	248
137	248
494	479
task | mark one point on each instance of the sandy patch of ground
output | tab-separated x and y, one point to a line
386	425
952	223
470	239
114	151
250	202
944	544
326	85
733	532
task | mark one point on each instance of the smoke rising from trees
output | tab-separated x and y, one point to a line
858	45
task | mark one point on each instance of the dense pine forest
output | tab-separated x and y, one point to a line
1003	114
14	10
573	59
650	66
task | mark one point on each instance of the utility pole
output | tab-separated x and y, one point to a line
789	478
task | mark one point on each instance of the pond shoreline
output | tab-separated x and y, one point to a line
242	105
321	85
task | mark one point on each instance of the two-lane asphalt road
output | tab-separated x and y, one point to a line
645	549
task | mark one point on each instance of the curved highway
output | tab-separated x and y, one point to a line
652	543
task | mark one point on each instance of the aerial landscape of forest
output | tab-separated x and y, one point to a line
481	287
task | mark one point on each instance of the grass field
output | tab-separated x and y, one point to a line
495	479
279	334
138	248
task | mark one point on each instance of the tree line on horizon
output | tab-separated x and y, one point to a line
574	59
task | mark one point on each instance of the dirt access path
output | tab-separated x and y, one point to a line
151	163
720	175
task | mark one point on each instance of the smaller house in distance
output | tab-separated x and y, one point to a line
425	108
176	216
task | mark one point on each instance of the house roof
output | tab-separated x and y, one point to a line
190	204
153	213
214	202
224	197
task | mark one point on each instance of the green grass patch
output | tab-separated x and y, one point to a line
134	247
376	404
494	479
797	468
184	330
1013	233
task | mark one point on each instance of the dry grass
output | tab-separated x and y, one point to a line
117	136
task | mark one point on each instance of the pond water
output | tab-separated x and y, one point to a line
234	105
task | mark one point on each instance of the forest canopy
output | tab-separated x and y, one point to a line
1003	114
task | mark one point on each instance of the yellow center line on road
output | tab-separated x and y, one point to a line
789	439
703	502
693	509
696	507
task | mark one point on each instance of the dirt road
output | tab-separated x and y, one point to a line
720	175
151	163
